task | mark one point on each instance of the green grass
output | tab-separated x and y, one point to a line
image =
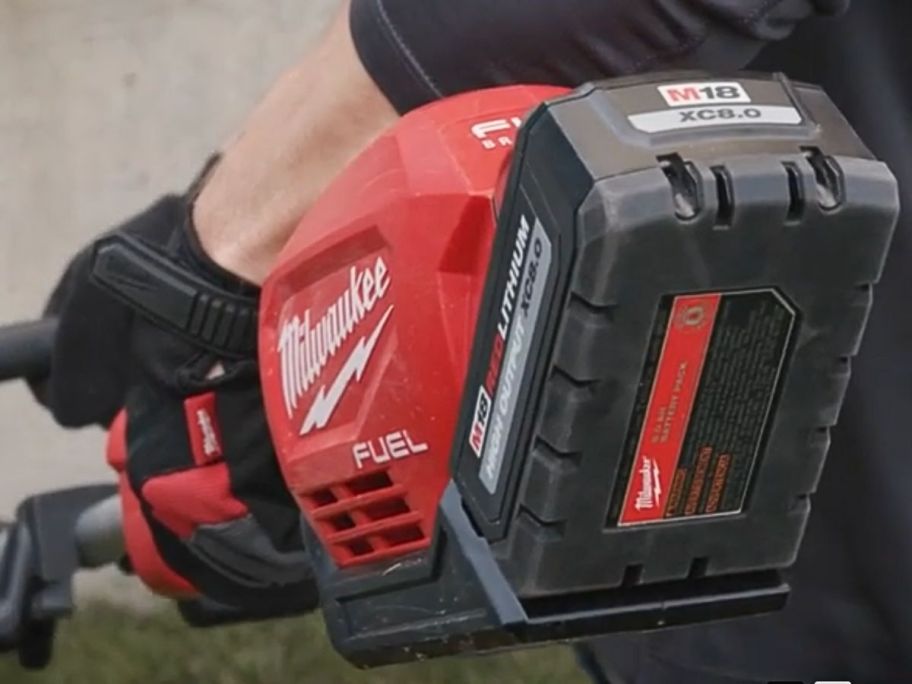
106	645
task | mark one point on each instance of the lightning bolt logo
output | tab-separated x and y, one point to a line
656	483
326	402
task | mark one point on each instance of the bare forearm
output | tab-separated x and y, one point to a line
316	118
327	109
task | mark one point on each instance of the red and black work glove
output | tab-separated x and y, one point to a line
205	475
182	340
199	454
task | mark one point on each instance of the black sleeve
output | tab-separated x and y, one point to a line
422	50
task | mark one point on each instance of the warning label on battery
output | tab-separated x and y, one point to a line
708	386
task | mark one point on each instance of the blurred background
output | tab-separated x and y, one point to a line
104	105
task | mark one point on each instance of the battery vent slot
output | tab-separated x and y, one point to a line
633	575
830	186
685	185
796	193
725	197
698	568
366	518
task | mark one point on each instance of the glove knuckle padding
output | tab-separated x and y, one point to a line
185	499
91	364
241	551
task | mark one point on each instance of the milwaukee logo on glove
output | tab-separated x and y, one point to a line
307	344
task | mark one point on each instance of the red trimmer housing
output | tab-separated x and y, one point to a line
368	324
547	382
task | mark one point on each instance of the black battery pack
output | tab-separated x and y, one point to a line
681	276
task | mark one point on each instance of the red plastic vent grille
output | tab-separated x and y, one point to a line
365	519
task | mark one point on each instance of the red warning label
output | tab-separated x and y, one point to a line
708	386
689	330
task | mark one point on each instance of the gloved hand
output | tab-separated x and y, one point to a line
180	356
210	490
91	356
